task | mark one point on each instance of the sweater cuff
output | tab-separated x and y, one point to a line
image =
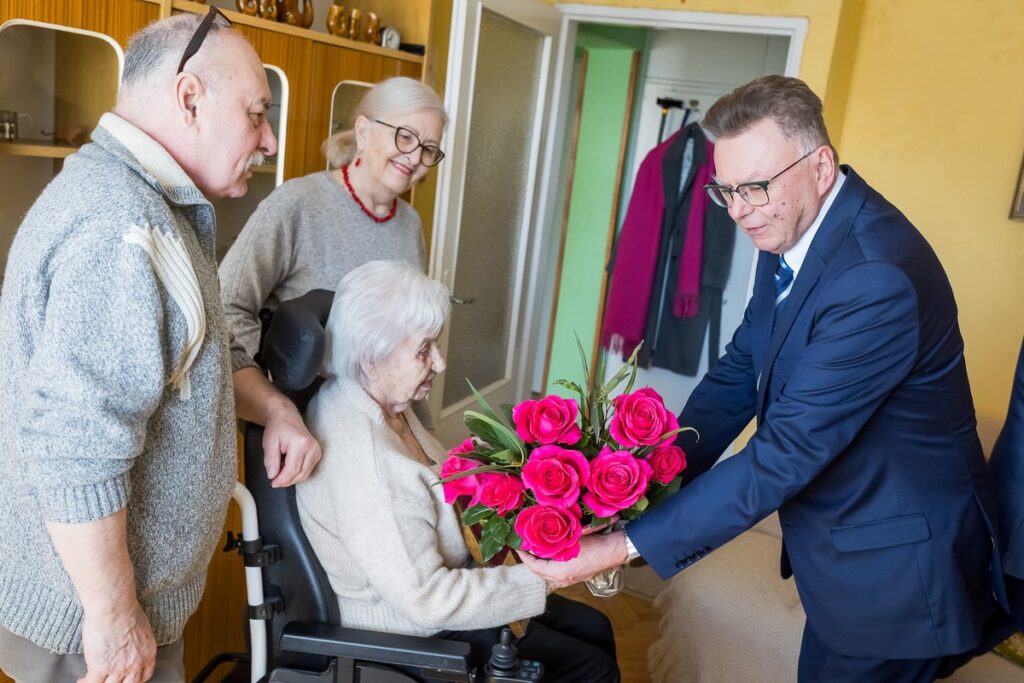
85	503
240	360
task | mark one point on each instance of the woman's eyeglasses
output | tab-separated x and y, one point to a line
408	142
200	35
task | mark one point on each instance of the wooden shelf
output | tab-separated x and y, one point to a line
37	148
308	34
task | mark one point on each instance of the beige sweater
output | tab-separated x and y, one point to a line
390	545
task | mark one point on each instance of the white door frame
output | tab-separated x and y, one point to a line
794	28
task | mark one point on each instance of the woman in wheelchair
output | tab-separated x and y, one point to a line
390	545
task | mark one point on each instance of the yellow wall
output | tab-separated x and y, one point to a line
926	101
935	121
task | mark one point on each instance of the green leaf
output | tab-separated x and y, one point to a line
647	450
661	492
513	540
501	435
502	456
631	363
641	504
468	473
476	514
484	405
586	367
492	540
506	409
572	386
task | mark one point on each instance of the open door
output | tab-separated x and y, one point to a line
489	211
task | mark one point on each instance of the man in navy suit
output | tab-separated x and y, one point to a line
850	358
1007	465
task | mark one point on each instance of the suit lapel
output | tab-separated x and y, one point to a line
830	236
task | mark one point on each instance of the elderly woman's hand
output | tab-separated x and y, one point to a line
597	553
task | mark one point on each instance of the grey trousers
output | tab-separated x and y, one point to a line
26	662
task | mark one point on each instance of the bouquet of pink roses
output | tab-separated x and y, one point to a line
552	467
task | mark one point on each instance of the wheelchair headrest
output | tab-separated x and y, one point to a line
293	347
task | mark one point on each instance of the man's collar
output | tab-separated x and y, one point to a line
795	256
154	159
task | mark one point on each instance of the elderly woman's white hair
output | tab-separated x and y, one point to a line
391	97
376	307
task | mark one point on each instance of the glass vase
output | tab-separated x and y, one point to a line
607	583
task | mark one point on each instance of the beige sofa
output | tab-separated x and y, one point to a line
730	618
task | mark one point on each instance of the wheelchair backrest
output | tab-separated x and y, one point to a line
291	351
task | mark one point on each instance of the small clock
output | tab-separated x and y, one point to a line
389	37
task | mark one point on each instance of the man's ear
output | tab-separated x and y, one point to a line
188	93
825	169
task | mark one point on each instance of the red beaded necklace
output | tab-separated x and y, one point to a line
351	191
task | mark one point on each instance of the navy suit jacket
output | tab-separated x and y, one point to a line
1007	465
866	443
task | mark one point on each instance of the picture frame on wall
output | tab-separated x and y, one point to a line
1017	210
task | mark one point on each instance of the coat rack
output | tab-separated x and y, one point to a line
667	103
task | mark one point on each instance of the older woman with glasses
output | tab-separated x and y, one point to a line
311	231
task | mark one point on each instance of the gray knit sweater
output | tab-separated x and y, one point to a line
113	351
308	234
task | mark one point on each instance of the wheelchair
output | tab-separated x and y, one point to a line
293	614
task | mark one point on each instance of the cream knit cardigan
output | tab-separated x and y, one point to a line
390	545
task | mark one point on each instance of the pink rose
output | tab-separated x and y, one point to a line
641	419
551	533
463	486
466	446
666	462
555	475
617	480
500	492
552	419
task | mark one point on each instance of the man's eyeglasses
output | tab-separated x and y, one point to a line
408	142
754	193
200	35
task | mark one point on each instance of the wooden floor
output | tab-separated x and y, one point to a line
635	622
636	626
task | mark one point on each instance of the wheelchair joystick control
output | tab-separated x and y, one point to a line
505	667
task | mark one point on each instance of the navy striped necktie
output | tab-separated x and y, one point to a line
783	279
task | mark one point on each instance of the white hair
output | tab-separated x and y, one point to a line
376	307
389	98
154	51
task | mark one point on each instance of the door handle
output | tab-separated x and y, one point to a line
456	300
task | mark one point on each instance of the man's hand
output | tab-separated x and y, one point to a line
117	637
119	647
285	438
598	552
289	451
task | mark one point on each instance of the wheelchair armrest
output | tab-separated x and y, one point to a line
372	646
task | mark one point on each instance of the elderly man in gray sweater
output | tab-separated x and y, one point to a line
117	437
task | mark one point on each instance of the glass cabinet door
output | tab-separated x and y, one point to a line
55	85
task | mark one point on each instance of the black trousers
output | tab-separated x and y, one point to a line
573	641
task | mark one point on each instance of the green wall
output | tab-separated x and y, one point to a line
606	94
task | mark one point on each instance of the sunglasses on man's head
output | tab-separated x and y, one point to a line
200	35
